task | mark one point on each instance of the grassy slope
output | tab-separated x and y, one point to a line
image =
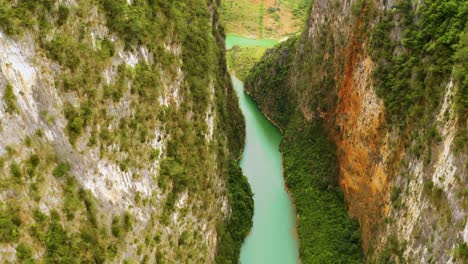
263	18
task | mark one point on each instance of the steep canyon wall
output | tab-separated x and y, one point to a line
373	73
118	129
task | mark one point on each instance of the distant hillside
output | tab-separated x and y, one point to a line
264	18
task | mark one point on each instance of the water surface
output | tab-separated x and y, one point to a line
272	239
233	40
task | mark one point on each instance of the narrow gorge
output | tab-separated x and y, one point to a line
233	131
273	237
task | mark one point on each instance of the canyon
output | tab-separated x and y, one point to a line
121	133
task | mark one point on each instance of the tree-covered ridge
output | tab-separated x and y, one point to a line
270	92
412	74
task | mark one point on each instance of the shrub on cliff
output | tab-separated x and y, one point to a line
10	99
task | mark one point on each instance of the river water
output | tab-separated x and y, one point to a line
272	239
232	40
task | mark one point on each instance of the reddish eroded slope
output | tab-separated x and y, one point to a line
361	143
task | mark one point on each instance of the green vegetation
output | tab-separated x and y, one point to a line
90	244
10	99
299	8
9	224
31	164
154	154
461	95
327	234
132	21
461	252
121	225
59	244
395	197
76	120
20	215
413	80
65	50
15	170
239	224
63	13
241	59
15	18
72	201
269	92
24	253
61	169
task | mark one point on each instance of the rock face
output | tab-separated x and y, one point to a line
113	146
410	200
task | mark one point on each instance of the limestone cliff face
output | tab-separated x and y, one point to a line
334	40
410	208
102	138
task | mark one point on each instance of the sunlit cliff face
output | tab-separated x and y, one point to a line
379	176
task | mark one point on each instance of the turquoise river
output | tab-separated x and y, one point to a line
272	239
